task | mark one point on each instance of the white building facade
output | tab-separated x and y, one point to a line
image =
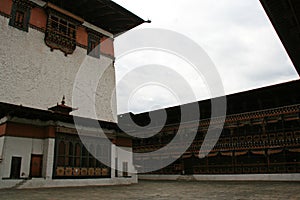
44	45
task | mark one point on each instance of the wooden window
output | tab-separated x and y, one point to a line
99	152
54	23
19	20
71	154
71	31
84	157
93	44
20	15
77	155
62	27
61	154
61	32
92	160
99	155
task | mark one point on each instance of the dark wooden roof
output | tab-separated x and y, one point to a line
285	17
279	95
20	111
105	14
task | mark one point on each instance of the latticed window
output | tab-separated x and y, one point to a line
71	154
92	160
84	157
62	27
99	155
61	32
93	44
61	154
20	14
77	155
19	21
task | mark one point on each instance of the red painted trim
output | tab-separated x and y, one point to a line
38	21
123	142
82	36
5	6
29	131
38	18
107	46
2	129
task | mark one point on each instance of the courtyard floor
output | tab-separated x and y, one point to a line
165	190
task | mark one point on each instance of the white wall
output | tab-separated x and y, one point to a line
124	154
1	146
20	147
1	154
48	158
34	76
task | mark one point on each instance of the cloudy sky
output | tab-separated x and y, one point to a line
236	35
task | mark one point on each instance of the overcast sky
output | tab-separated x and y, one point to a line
236	35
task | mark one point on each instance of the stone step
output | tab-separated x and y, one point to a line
186	178
20	184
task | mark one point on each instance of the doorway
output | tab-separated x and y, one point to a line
15	169
36	166
125	169
189	164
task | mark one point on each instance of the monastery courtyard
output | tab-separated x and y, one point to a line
166	190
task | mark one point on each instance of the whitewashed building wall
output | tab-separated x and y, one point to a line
34	76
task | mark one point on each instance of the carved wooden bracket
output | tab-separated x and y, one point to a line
56	41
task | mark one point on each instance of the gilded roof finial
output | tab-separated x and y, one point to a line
63	100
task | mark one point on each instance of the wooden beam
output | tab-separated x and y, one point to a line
65	12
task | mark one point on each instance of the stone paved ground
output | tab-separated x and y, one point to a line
164	190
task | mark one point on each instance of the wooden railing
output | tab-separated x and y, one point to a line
259	168
227	144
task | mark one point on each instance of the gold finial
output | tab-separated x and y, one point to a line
63	100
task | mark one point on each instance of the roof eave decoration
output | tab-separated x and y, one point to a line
104	14
285	17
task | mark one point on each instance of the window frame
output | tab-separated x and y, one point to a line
24	7
61	32
94	43
63	27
